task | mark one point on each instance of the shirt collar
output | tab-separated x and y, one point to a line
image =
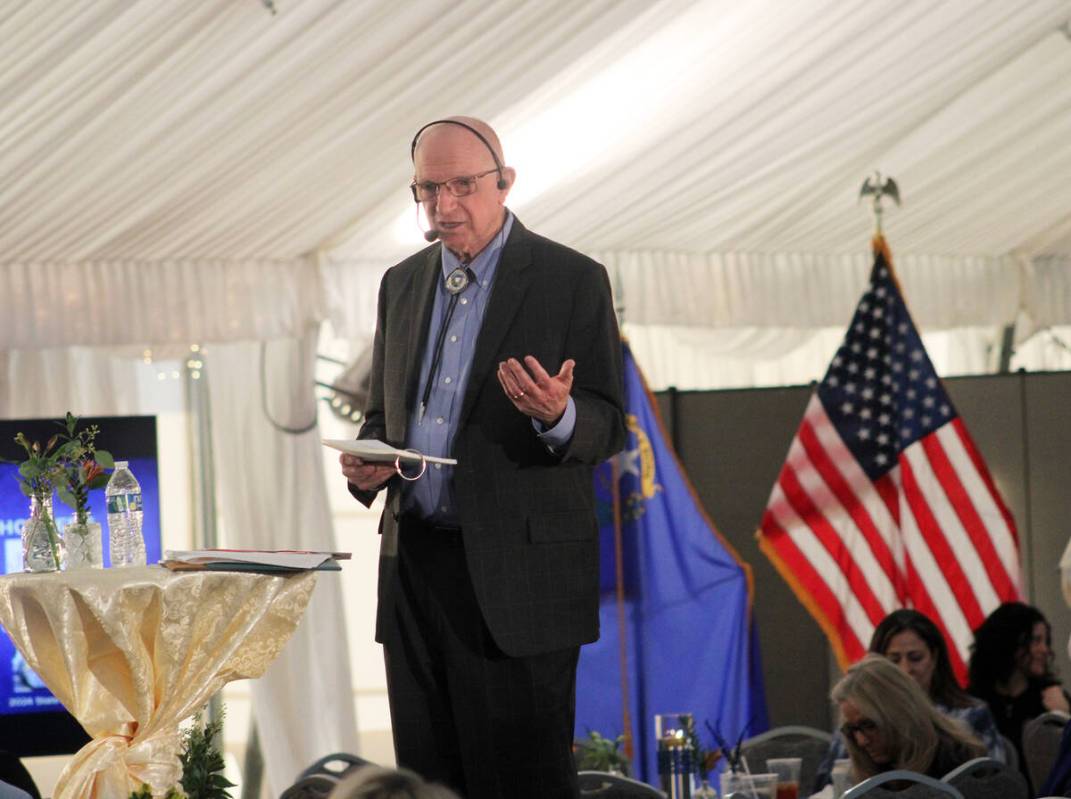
484	263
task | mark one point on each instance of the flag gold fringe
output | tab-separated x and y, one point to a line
805	599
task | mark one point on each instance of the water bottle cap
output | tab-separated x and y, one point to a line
120	464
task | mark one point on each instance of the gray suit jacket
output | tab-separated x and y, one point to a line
527	515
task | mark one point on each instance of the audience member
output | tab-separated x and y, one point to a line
1011	669
912	642
375	782
889	723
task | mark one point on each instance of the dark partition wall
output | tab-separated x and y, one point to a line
733	444
1047	404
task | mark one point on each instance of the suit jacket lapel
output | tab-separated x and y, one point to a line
423	288
510	286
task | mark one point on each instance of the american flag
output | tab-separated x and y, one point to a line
884	501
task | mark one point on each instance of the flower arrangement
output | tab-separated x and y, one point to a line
598	753
82	467
37	478
731	752
707	759
68	463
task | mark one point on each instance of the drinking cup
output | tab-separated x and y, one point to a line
750	786
787	770
841	776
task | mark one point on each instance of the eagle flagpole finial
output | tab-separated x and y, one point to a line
879	188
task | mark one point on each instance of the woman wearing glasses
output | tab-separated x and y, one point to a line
888	723
912	642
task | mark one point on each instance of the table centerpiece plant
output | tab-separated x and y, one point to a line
599	753
202	765
37	476
83	468
67	462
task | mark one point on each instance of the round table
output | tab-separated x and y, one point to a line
132	652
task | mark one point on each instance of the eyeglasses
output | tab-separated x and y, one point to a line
865	726
458	187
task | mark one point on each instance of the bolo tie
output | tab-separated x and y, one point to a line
456	282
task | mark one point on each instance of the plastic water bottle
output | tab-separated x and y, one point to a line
124	518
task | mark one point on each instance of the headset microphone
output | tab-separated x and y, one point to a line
431	235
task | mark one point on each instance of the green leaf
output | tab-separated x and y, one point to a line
26	488
66	497
99	481
104	458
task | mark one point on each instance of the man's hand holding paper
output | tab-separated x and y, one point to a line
366	476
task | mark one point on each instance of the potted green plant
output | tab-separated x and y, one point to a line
598	753
202	765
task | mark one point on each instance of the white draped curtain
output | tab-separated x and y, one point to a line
272	495
706	321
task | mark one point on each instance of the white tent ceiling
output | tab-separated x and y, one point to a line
174	153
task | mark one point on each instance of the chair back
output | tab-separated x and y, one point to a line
604	785
1041	744
336	765
319	779
918	786
794	740
315	786
1011	754
986	778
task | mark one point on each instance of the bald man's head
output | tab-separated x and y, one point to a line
456	123
461	183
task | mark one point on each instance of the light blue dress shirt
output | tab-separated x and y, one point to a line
432	496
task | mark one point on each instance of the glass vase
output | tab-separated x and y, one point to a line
42	547
704	791
84	545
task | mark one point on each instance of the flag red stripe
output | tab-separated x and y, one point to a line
948	545
831	540
851	503
804	578
920	597
938	545
987	478
969	518
923	603
891	496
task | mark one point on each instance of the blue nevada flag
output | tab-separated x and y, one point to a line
681	622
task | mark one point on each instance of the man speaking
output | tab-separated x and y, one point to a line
498	348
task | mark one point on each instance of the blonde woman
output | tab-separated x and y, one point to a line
889	723
375	782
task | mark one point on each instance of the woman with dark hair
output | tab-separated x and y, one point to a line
1011	668
890	723
912	642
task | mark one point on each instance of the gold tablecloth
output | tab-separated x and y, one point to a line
132	652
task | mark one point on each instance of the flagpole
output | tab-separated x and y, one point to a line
619	579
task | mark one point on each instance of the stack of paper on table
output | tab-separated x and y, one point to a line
253	560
